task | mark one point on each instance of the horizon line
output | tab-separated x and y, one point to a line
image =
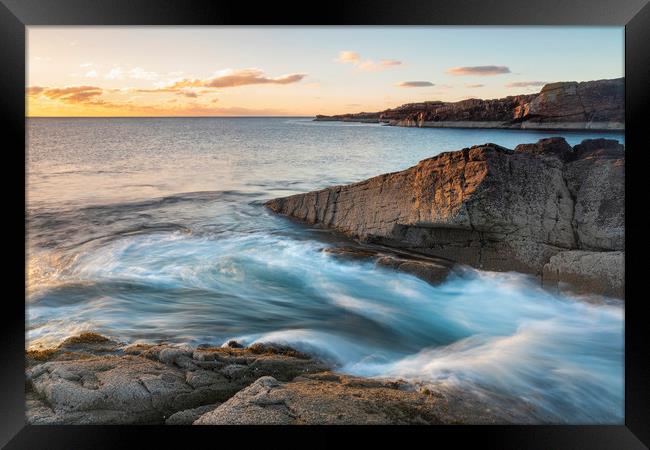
160	117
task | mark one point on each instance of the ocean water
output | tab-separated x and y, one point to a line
151	230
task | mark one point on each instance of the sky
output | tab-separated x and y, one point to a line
300	71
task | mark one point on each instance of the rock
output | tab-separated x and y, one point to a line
234	344
585	272
585	102
331	399
599	148
566	105
237	386
596	180
432	270
555	146
485	206
141	384
351	252
429	271
188	416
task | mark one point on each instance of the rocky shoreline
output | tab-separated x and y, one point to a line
91	379
590	105
545	209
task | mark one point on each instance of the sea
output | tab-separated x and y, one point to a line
154	230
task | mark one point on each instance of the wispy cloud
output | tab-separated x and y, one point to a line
517	84
354	58
91	74
233	78
87	64
371	66
473	86
69	94
478	70
348	56
411	84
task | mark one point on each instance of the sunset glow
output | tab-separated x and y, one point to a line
269	71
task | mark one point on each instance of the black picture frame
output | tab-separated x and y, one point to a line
15	15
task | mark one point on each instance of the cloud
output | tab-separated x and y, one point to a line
371	66
354	58
411	84
116	73
190	94
232	78
88	64
526	84
69	94
474	85
478	70
91	74
348	56
139	73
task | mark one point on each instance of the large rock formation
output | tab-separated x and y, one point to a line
565	105
492	208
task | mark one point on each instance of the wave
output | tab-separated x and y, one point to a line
558	356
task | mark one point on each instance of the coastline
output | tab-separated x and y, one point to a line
589	105
493	125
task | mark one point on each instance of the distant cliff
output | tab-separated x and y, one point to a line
595	105
544	208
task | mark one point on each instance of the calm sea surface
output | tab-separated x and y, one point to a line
153	230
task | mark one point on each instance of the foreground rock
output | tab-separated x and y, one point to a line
492	208
90	379
332	399
565	105
93	380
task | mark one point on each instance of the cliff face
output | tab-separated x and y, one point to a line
492	208
567	105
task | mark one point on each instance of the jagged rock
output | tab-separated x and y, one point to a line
567	105
332	399
486	206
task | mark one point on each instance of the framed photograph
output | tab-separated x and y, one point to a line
387	219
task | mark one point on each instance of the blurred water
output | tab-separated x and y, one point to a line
154	229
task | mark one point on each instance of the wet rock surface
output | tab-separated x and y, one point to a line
432	270
489	207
